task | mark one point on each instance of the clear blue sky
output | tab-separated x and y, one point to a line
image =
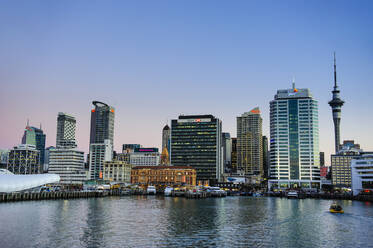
153	60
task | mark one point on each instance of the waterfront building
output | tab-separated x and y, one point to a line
336	103
145	157
24	159
362	174
65	160
166	138
117	171
4	154
66	126
101	138
234	155
227	152
250	144
68	163
265	156
341	163
196	142
10	182
99	153
35	136
294	143
164	175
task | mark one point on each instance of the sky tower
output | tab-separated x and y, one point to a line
336	103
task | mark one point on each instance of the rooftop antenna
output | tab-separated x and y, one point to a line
40	126
28	123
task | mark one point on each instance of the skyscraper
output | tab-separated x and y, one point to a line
294	143
196	142
102	123
66	125
101	139
250	143
227	152
35	136
166	135
65	160
336	103
265	156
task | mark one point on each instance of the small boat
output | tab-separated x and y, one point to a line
292	194
151	190
336	209
168	191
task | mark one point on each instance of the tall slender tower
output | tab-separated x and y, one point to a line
336	103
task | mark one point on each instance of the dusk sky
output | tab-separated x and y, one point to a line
154	60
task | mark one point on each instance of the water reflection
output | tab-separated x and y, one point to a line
152	221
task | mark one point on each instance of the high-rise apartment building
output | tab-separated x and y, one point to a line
101	139
294	143
196	142
35	136
24	159
66	125
250	143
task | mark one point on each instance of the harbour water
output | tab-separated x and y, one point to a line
153	221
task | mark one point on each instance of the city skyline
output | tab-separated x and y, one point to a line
69	60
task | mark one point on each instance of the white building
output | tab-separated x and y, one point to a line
68	164
145	157
362	174
117	171
294	143
13	183
98	154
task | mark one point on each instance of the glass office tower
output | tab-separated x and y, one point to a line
196	142
294	143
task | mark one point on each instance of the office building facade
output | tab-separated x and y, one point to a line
35	136
341	163
117	171
24	159
166	138
101	138
68	163
196	142
66	126
234	155
362	174
164	175
227	152
250	143
294	142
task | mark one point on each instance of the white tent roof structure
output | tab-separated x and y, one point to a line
11	183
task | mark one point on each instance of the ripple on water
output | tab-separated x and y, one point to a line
141	221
